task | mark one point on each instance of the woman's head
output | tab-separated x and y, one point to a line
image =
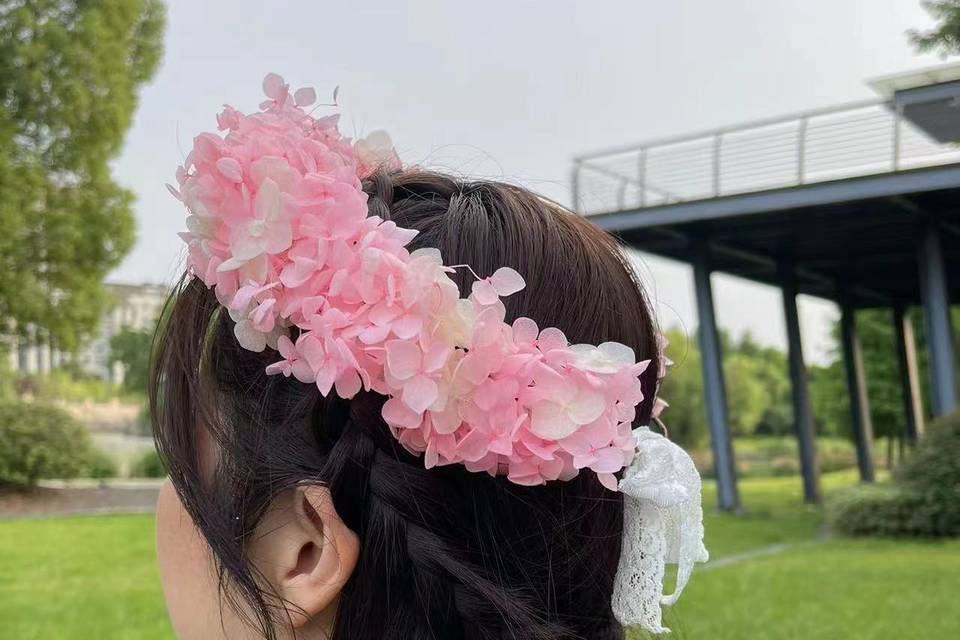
279	481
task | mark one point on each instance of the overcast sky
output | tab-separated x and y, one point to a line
514	89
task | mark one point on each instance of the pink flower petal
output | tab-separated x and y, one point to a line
397	414
586	407
348	384
525	331
608	480
407	326
403	358
419	393
474	446
484	292
552	339
608	460
549	420
506	281
374	334
230	169
305	96
274	87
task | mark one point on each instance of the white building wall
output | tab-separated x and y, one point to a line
134	307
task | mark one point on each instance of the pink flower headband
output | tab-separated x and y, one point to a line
278	225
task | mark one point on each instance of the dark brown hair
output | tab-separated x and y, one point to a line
444	553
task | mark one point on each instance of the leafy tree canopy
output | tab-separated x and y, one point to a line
69	76
132	349
944	38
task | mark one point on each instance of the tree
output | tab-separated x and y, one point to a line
747	398
770	371
131	348
683	389
758	391
944	38
69	76
881	368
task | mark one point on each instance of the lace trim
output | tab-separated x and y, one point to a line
663	522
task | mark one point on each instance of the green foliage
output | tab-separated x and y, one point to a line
69	76
932	473
883	510
8	387
62	385
828	386
97	465
39	441
683	389
758	389
923	501
944	38
769	456
148	465
132	349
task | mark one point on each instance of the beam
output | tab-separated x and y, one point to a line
761	260
802	411
714	387
909	378
879	186
936	305
857	388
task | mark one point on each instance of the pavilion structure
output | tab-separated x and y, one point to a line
858	204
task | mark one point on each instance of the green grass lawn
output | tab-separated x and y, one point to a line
93	578
87	577
816	588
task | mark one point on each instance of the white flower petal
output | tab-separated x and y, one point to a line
248	337
549	420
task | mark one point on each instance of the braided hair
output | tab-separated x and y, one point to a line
444	553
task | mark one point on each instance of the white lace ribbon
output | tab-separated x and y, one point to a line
662	523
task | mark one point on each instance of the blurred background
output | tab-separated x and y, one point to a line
785	176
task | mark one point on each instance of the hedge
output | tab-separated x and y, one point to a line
39	441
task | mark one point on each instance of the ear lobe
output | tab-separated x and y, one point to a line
306	551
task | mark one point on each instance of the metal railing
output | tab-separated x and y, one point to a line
856	139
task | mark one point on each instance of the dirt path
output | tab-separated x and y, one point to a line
80	498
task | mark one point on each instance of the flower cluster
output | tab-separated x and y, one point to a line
278	225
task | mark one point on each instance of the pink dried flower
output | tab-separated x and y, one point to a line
278	225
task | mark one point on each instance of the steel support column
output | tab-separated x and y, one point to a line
936	307
714	388
857	388
802	411
909	378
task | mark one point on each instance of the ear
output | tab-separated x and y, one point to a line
306	552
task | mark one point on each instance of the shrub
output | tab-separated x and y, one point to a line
148	465
883	510
98	465
923	501
39	441
932	472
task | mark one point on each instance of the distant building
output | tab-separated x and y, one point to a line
135	307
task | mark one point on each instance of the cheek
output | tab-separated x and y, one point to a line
188	575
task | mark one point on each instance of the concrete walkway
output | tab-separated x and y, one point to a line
54	498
